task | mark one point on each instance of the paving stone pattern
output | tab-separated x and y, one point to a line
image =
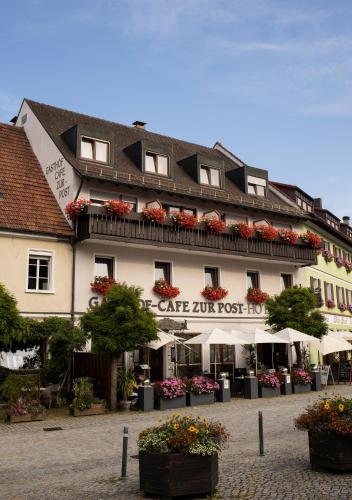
83	461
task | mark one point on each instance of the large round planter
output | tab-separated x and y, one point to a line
169	404
301	388
172	475
328	451
200	399
268	392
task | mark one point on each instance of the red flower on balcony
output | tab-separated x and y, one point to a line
214	293
243	230
267	233
102	284
117	208
214	225
74	209
256	296
165	290
311	239
288	235
330	304
188	221
154	214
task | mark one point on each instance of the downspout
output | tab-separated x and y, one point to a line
74	247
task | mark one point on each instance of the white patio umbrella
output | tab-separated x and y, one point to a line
163	339
341	335
330	343
295	336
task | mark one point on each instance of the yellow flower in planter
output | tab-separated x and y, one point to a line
176	426
327	405
191	428
341	407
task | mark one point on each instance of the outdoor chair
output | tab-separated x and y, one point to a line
50	395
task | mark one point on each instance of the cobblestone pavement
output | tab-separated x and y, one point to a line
83	461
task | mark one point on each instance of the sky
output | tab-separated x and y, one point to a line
270	79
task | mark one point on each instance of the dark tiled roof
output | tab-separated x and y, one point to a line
57	120
26	201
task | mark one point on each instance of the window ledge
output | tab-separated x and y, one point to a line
27	290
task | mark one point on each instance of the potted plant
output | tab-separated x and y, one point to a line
180	456
201	391
268	385
22	395
256	296
126	383
101	284
330	304
311	239
214	225
170	394
182	219
214	293
266	232
154	214
165	290
342	306
327	256
84	403
301	381
348	265
329	426
288	235
117	208
243	230
339	261
76	208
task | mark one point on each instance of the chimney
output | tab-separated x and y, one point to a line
346	220
318	203
138	124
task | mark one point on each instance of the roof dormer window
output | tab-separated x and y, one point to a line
156	164
209	176
256	185
94	149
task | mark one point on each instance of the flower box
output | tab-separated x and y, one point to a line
301	388
268	392
214	293
330	451
28	417
169	404
176	474
256	296
200	399
266	232
95	409
165	290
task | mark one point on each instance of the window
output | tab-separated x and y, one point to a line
104	266
162	271
349	297
286	281
189	361
174	208
209	176
325	245
256	185
39	272
340	294
156	164
93	149
329	292
211	276
100	198
253	279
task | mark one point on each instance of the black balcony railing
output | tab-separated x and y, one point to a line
134	229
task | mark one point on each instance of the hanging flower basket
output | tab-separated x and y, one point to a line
327	255
267	233
154	214
348	265
117	208
214	225
339	261
342	306
242	230
214	293
76	208
165	290
330	304
311	239
256	296
102	284
188	221
288	235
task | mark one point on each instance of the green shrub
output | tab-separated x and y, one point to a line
18	387
83	394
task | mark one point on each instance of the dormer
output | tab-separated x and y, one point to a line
250	180
90	144
152	158
204	170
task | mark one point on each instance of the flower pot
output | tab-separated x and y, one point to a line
268	392
301	388
330	451
29	417
200	399
124	405
97	409
172	475
169	404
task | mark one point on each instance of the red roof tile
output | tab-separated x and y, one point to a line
26	201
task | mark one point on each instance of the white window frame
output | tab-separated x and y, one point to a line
93	159
171	264
281	280
213	267
209	168
259	277
255	182
105	256
36	253
157	154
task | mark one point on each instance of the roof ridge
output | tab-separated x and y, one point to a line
12	127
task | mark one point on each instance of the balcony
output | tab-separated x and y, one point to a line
138	231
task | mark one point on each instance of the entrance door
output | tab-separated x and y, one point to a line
156	364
